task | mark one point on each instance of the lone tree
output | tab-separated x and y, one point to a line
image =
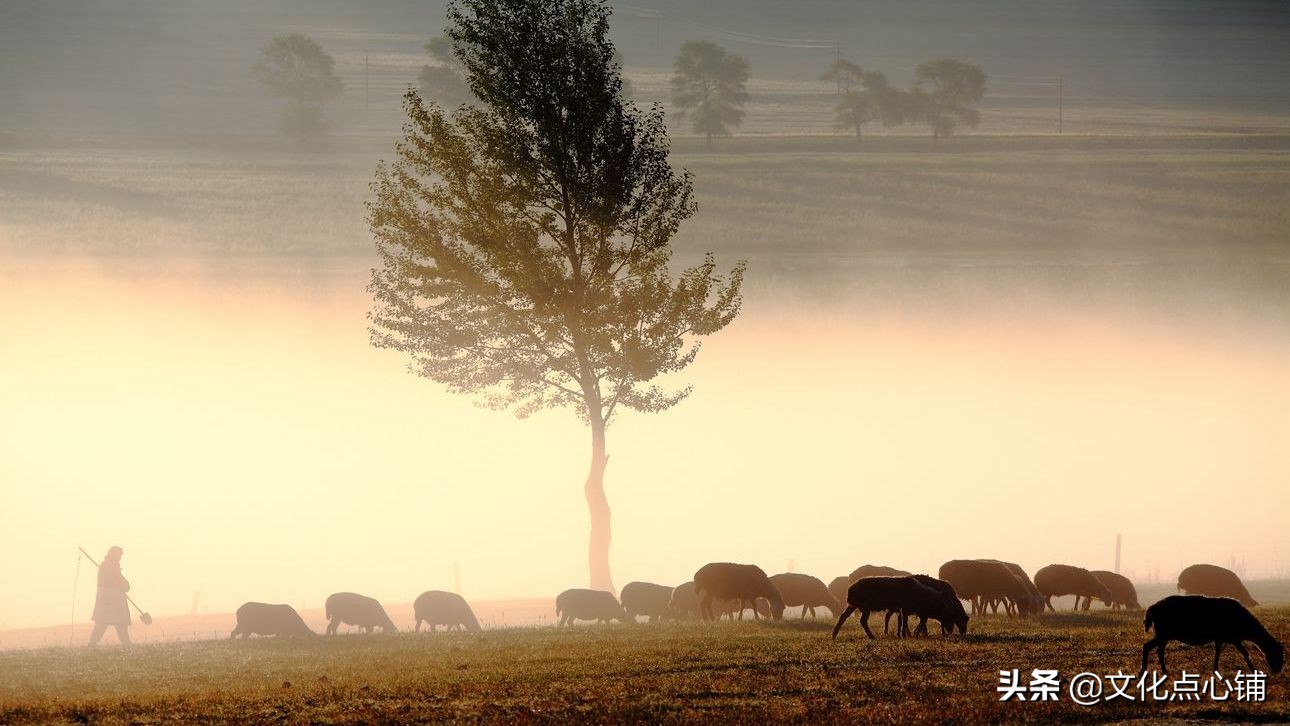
944	91
864	96
710	85
295	67
524	242
445	81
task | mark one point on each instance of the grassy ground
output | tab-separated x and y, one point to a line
728	672
788	197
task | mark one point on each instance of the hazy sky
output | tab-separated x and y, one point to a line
237	436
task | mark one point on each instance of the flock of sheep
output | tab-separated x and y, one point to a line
1214	612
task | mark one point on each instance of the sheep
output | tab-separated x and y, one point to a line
1031	604
685	603
875	571
580	604
1123	594
978	581
745	583
354	609
838	587
648	599
258	618
902	594
1058	580
1197	620
950	614
437	607
1216	581
809	592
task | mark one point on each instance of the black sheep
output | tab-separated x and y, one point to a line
902	594
1197	620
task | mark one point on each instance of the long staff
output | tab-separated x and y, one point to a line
145	618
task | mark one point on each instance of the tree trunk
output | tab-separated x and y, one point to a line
598	507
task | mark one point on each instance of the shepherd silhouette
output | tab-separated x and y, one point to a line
110	607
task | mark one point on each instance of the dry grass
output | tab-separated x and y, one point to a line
727	672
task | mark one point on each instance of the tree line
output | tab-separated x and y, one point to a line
709	87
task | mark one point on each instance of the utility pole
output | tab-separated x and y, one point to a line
837	56
1117	554
1059	130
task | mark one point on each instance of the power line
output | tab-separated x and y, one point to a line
736	35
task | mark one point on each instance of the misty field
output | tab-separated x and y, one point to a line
730	672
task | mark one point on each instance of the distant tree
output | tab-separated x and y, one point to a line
864	96
295	67
525	240
710	85
628	90
445	81
944	92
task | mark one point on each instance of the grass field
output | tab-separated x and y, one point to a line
1126	199
728	672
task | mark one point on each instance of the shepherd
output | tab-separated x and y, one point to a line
110	606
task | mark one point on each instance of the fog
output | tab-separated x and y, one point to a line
1063	348
235	433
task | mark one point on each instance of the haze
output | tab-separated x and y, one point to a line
994	351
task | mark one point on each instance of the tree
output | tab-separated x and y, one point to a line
295	67
710	84
525	241
864	96
445	81
948	89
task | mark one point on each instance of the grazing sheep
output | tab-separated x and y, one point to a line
648	599
838	587
950	614
1123	594
806	591
1197	620
875	571
729	581
1057	580
258	618
437	607
1215	581
582	604
686	603
354	609
1031	604
901	594
979	581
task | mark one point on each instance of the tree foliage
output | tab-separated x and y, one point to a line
525	243
709	84
444	82
525	240
297	68
863	96
945	91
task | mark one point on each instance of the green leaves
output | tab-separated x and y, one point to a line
525	242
